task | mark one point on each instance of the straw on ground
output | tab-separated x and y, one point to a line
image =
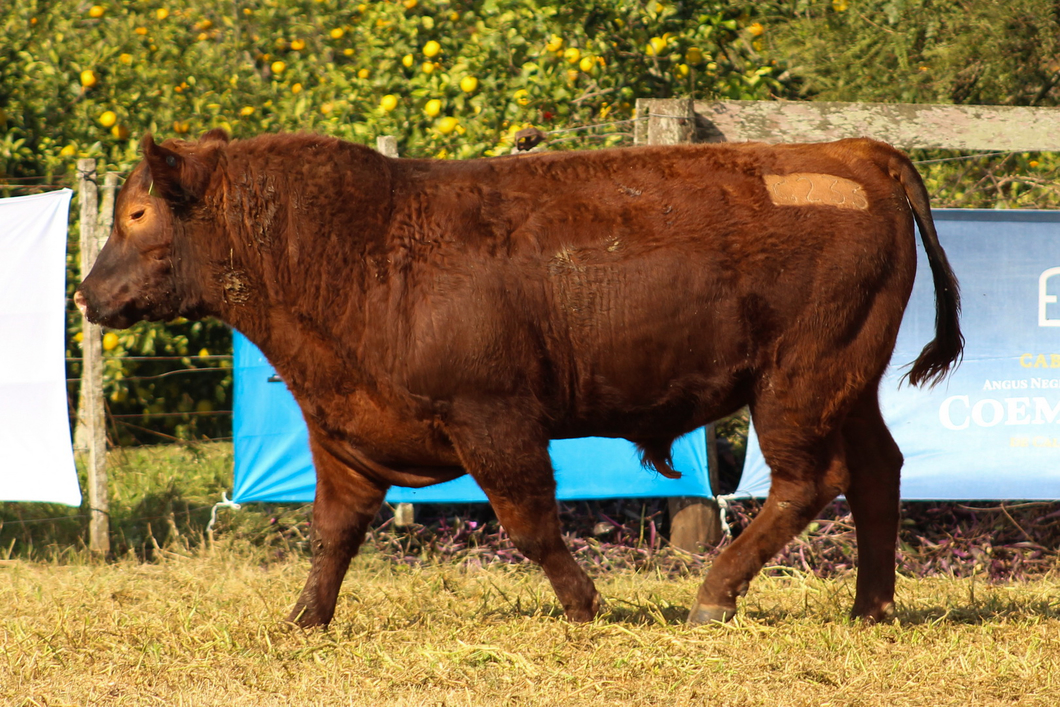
207	630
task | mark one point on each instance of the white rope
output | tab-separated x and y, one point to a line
223	503
723	510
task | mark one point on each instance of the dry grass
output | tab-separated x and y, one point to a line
208	630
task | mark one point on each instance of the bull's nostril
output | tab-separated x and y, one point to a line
82	304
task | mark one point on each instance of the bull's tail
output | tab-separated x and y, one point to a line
945	350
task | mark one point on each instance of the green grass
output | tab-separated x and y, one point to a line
158	495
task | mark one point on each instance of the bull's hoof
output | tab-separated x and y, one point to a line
710	613
877	612
304	619
584	615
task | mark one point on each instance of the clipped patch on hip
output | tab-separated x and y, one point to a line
812	189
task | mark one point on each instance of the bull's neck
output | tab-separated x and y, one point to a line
310	349
295	275
300	317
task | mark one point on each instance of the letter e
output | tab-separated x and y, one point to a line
1044	298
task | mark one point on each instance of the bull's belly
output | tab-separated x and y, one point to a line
613	409
654	350
387	434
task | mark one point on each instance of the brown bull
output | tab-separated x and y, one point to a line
437	318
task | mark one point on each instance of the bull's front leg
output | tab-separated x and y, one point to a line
507	454
346	503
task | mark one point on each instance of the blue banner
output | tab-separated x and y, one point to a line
991	430
273	463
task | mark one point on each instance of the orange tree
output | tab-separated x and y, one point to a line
448	78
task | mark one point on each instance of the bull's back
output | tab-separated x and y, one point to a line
669	278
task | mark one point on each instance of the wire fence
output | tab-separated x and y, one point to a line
159	417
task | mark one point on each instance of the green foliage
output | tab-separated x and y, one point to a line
184	66
457	78
922	51
933	51
1025	180
164	381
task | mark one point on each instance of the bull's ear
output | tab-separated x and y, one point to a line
176	176
215	135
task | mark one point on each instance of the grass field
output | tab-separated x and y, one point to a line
446	614
208	630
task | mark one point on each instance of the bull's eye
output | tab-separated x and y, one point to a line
137	215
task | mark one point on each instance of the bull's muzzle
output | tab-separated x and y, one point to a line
81	302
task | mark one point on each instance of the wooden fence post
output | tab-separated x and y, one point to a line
91	397
404	513
106	220
106	209
670	121
695	523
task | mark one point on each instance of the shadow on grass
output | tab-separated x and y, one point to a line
981	612
506	606
644	614
52	532
985	611
41	530
619	615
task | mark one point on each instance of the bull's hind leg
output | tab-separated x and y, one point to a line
875	467
345	504
508	457
808	471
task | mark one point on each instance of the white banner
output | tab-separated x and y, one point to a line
36	454
991	430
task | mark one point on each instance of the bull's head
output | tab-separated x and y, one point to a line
148	268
